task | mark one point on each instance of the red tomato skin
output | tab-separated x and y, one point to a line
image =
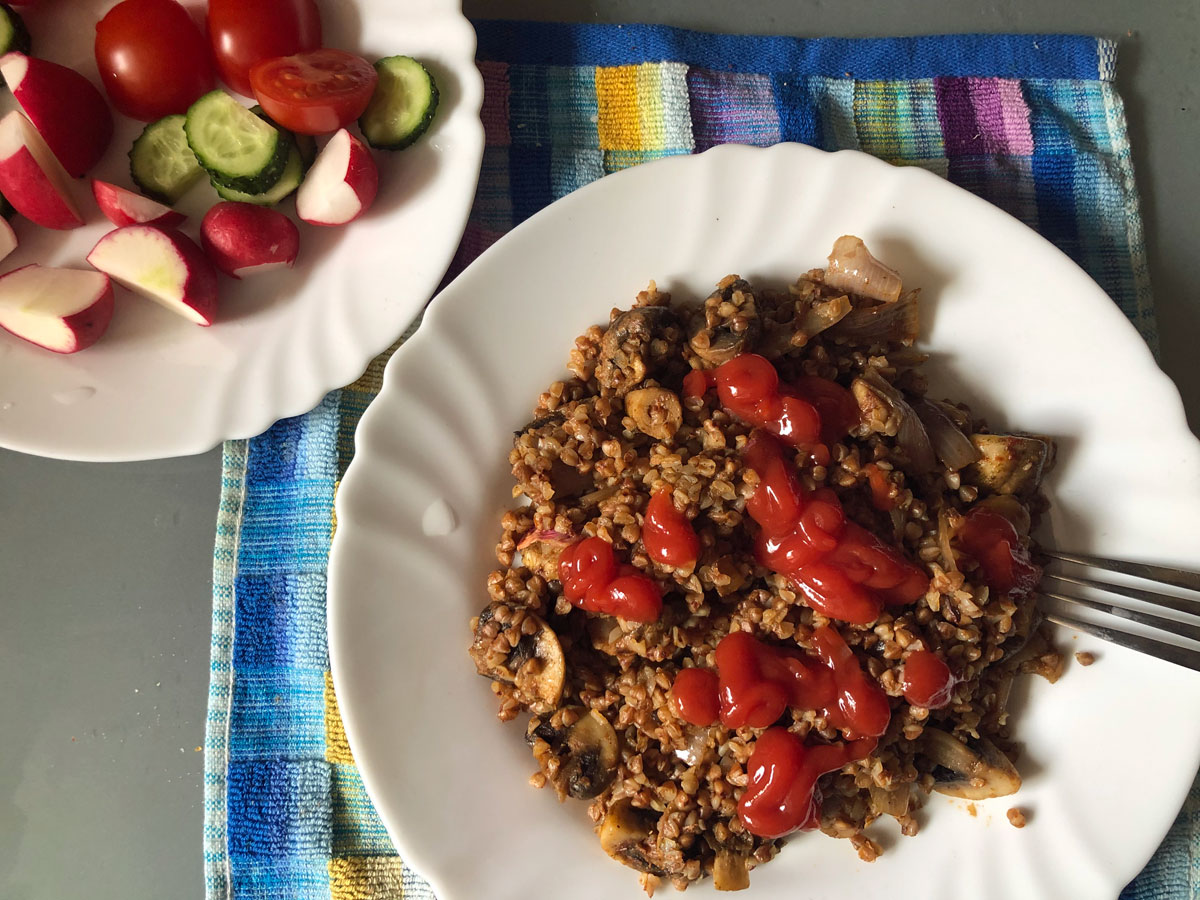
337	86
152	58
244	32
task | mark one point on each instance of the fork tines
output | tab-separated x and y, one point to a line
1163	641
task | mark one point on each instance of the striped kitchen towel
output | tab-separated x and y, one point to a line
1032	123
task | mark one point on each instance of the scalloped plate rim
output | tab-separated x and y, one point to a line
434	331
230	410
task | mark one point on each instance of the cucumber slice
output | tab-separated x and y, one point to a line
239	150
293	174
305	143
13	33
161	163
403	105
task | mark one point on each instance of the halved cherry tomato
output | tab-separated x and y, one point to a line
315	92
244	32
152	58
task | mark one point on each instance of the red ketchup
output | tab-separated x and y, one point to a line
783	795
927	680
844	571
755	683
748	386
694	694
668	534
593	581
881	488
993	541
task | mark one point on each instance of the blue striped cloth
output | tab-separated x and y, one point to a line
1031	123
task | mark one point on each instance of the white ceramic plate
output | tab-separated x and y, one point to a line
1017	330
158	386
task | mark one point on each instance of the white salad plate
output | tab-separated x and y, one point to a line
1015	328
156	385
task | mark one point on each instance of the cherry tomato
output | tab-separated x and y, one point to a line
244	32
315	92
152	58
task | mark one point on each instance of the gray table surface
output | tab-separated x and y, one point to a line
105	570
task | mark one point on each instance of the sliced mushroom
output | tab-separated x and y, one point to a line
514	646
635	344
541	551
730	871
623	834
655	411
554	418
977	773
727	324
1010	463
587	750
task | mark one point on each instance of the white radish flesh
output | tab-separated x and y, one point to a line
32	179
162	265
123	207
342	183
64	310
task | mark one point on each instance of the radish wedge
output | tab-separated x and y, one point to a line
244	239
32	179
66	108
341	185
124	207
8	239
163	265
64	310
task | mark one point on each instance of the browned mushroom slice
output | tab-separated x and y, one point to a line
727	324
730	871
635	344
587	750
655	411
623	835
1010	463
514	646
541	551
972	773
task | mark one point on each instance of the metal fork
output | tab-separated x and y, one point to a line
1120	613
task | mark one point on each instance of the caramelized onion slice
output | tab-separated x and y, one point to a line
886	323
852	268
910	433
950	445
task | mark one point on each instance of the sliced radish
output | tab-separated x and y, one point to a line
162	264
8	238
341	185
64	310
32	179
65	107
245	239
124	207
